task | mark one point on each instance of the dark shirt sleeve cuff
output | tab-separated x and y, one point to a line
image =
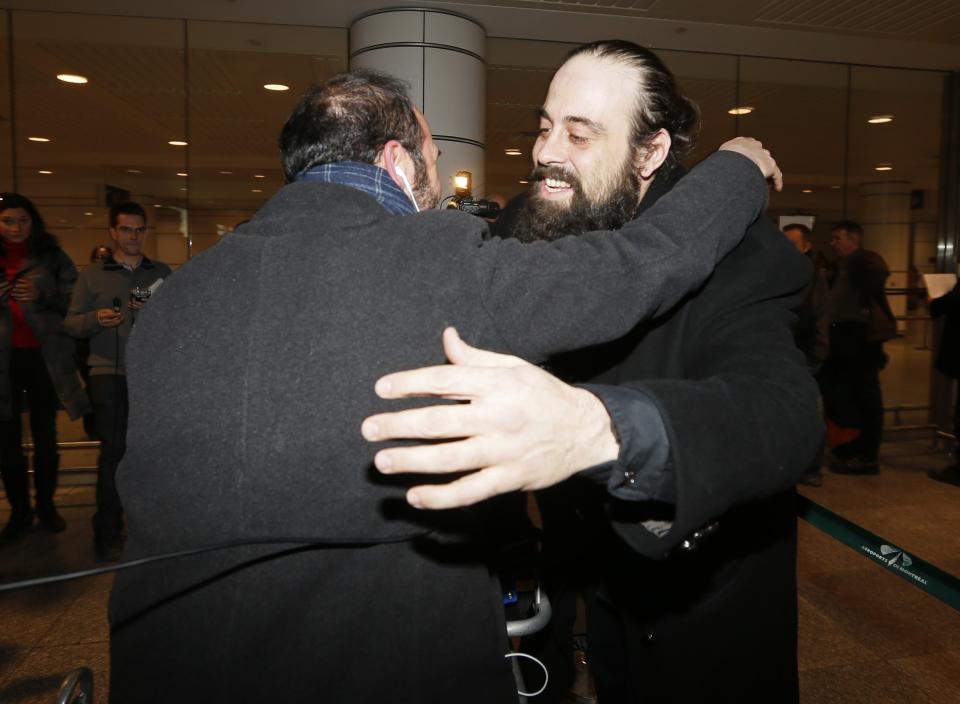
642	470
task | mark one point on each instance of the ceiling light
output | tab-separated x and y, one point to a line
259	176
807	190
181	173
134	171
45	172
183	188
742	110
157	205
88	213
883	167
513	152
275	86
256	190
523	182
177	143
225	173
880	119
71	78
38	139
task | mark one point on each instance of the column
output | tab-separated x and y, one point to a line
442	56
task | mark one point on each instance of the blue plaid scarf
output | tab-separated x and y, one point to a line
368	178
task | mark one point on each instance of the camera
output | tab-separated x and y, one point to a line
139	294
480	208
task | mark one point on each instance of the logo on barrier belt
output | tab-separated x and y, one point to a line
895	554
895	559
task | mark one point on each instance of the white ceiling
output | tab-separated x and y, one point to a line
914	33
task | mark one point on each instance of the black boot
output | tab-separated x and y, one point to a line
49	518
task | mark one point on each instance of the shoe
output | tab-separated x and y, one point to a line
108	549
811	479
948	475
49	519
17	527
854	466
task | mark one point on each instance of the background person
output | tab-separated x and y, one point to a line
36	359
102	312
860	322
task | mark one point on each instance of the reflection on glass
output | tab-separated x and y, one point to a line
235	116
108	138
6	121
895	128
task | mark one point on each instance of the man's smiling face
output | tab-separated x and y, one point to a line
584	174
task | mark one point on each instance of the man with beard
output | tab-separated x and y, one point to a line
688	522
251	369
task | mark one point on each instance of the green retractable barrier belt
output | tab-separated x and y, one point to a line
918	572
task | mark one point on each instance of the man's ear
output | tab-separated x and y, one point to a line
654	153
392	155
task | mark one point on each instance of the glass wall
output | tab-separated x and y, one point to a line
172	114
183	116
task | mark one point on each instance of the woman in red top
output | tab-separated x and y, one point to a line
36	359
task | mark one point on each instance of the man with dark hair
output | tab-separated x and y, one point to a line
860	321
687	522
106	301
332	283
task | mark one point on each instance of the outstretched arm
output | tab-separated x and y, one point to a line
523	428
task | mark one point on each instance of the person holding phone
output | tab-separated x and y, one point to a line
36	360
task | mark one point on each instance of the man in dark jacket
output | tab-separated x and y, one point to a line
252	368
860	321
948	364
106	301
690	527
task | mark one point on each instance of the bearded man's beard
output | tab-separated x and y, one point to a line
427	196
541	219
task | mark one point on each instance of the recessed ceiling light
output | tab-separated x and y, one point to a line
880	119
524	182
256	190
883	167
45	172
88	213
276	86
742	110
71	78
225	173
38	139
177	143
259	176
134	171
513	151
807	190
181	173
183	188
157	205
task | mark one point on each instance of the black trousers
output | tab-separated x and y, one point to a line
850	384
110	409
28	374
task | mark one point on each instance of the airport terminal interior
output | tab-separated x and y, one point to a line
178	106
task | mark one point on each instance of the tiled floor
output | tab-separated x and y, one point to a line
865	634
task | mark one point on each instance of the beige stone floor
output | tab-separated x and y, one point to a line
865	634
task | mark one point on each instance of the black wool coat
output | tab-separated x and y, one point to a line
250	373
706	611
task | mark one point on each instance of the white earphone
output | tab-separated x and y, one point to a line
403	177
